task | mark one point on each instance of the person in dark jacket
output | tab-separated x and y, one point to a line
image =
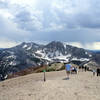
98	71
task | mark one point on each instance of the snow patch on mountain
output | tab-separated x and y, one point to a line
81	59
86	53
12	53
25	46
29	48
50	56
13	63
11	56
40	53
90	55
64	45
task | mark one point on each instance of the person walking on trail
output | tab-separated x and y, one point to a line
94	71
68	69
98	71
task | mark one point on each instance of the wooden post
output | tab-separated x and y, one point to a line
44	75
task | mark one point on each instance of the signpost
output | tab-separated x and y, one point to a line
44	75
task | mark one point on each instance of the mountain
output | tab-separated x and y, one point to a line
31	54
63	51
97	57
95	51
1	48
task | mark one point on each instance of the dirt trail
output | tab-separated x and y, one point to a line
31	87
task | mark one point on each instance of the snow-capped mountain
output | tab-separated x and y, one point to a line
62	52
32	55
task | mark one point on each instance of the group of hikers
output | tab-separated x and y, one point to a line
72	69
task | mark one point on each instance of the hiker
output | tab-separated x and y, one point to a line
94	71
68	69
82	68
73	70
98	71
76	70
85	68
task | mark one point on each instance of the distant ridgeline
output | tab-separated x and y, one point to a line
95	51
28	55
1	48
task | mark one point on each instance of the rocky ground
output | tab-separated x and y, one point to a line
82	86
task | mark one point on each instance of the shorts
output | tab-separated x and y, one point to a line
68	72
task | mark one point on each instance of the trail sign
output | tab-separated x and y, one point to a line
44	75
44	70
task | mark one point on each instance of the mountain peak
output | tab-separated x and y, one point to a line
55	44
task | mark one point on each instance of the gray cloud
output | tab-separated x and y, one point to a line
27	21
10	31
3	4
65	20
84	14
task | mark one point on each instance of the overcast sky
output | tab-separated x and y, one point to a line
74	21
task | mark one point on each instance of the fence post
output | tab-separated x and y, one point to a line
44	75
